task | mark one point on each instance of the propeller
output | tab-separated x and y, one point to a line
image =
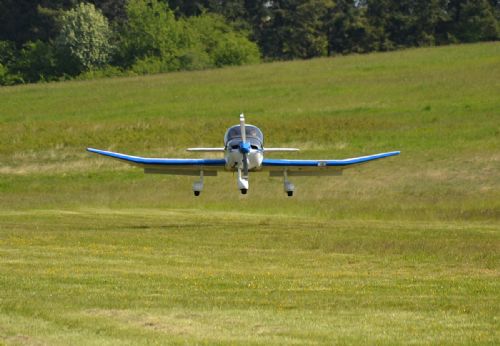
244	146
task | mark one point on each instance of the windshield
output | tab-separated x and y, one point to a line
253	134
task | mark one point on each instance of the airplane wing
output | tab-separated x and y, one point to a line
206	150
276	167
272	150
210	167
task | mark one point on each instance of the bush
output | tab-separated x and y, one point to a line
154	41
7	52
151	65
4	75
477	22
37	61
8	57
107	71
151	31
84	39
235	50
222	44
195	58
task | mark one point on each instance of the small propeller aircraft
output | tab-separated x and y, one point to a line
243	153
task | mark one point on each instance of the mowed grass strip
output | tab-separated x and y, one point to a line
143	276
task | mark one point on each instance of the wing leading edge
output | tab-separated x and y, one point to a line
318	167
168	166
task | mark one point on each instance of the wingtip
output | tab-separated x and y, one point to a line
391	153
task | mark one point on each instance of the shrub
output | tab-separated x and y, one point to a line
8	56
154	41
83	40
36	61
195	58
151	31
221	42
107	71
477	22
7	52
151	65
235	50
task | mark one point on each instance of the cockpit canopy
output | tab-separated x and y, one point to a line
253	134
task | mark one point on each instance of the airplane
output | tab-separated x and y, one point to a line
243	153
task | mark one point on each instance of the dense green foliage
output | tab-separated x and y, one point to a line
399	251
146	38
168	35
84	38
154	41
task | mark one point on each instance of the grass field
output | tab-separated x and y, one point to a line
400	251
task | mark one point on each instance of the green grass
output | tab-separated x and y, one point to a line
151	276
399	251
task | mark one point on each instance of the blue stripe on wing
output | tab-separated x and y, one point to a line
320	163
158	161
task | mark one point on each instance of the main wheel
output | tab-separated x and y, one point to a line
289	193
244	191
196	193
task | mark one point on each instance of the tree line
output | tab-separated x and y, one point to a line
43	40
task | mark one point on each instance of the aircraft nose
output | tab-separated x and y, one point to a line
244	147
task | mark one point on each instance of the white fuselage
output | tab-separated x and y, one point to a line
236	147
234	159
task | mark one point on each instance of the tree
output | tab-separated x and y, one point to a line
30	20
476	21
150	31
16	20
347	28
8	56
295	29
220	42
114	10
188	8
36	61
406	23
84	39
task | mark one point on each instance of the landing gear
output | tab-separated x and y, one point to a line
287	186
242	183
198	185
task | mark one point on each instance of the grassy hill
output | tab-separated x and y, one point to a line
404	250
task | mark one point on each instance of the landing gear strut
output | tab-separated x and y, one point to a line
287	186
242	183
198	185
